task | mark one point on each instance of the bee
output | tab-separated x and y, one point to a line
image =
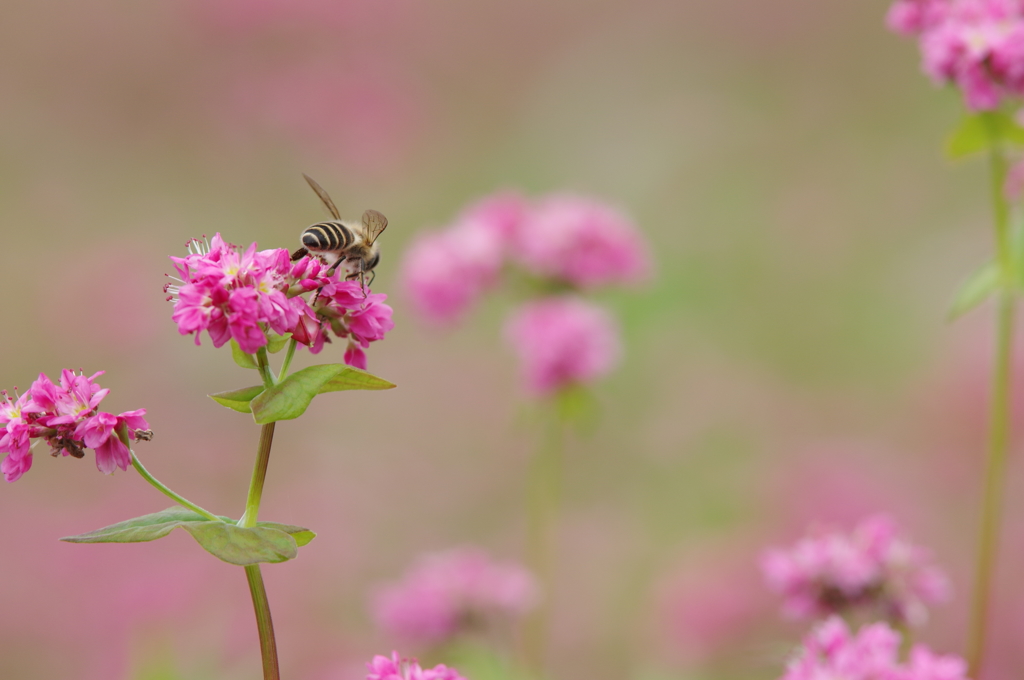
343	241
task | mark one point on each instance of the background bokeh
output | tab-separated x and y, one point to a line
790	363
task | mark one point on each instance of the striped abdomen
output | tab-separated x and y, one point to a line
327	237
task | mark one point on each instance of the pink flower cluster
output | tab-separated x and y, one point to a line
445	593
871	568
977	45
342	307
562	239
562	341
241	295
397	668
65	416
831	651
560	242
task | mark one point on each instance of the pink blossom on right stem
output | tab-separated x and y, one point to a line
563	341
869	569
977	45
832	652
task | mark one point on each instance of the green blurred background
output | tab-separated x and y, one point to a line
790	363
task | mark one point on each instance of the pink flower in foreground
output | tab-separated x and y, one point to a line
444	593
563	341
581	242
831	651
870	568
397	668
66	417
977	45
242	295
445	273
233	294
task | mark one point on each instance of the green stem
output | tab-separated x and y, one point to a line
263	364
999	419
259	476
170	494
543	493
268	645
288	355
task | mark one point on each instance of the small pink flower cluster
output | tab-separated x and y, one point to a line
397	668
445	593
563	340
240	295
561	241
564	239
65	417
978	45
831	651
871	568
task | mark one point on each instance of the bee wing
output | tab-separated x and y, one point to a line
374	223
323	196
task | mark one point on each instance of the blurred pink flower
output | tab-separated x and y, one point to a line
445	593
563	341
66	417
446	272
831	651
978	45
397	668
582	242
870	568
710	604
501	213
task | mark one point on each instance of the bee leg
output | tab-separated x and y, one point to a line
299	253
334	266
362	279
330	271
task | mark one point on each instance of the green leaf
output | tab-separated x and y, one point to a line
241	358
356	379
266	542
238	399
301	535
140	529
290	398
275	342
975	133
975	290
243	546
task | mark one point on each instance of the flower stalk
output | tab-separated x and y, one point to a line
264	623
268	644
999	414
544	488
259	476
180	500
